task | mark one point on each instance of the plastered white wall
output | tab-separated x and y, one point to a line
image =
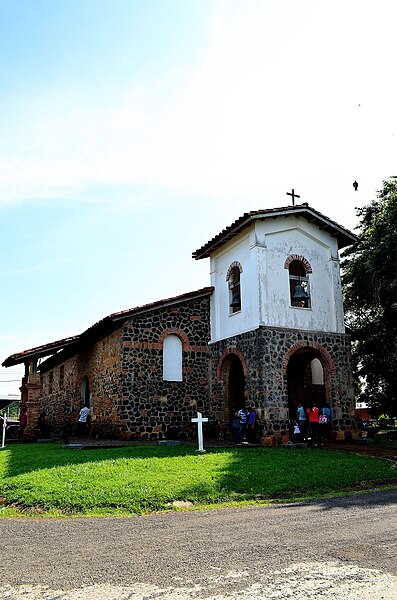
262	250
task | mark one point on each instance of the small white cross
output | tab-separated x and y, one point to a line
200	420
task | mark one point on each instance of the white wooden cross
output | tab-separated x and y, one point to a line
200	420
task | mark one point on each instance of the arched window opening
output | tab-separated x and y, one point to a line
317	372
85	391
234	290
299	285
172	358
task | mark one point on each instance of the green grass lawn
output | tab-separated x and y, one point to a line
51	480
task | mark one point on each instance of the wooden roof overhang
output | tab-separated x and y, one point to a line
32	354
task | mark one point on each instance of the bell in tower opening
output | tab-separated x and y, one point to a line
299	293
234	290
300	296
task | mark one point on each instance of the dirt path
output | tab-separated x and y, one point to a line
333	549
357	448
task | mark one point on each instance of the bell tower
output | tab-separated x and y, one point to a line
277	306
278	268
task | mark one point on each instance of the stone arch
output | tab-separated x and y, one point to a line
232	373
220	371
301	259
325	357
298	376
175	331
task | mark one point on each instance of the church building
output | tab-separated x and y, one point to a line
268	332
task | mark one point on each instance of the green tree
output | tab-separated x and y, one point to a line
370	295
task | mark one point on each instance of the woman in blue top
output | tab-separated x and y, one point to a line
302	421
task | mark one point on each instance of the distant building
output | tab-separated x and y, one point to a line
268	332
363	411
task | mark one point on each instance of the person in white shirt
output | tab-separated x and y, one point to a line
83	420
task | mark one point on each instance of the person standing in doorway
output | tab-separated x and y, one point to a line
325	423
251	425
313	417
239	426
243	425
302	421
84	421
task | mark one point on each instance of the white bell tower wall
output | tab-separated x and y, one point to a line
262	252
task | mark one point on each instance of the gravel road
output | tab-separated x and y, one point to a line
334	548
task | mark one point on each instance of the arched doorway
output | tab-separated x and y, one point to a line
233	376
307	380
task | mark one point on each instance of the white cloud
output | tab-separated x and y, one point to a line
273	104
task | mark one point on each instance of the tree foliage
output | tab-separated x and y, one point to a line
370	294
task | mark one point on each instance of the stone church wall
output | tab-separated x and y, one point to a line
62	388
265	354
151	408
128	397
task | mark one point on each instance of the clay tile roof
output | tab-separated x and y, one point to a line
39	351
123	315
344	236
207	291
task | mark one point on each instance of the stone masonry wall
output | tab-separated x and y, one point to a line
130	400
151	407
265	354
128	397
61	388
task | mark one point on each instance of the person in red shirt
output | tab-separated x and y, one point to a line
313	415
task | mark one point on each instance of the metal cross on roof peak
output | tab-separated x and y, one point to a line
293	196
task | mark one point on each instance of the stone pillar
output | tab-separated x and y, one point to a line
32	405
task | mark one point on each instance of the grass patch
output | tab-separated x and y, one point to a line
50	480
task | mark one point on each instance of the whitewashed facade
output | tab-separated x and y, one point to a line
262	250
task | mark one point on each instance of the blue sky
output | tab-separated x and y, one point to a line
133	131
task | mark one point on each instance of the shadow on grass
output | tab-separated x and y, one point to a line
24	458
245	474
290	476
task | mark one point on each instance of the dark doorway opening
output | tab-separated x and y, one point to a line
85	392
235	385
306	381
